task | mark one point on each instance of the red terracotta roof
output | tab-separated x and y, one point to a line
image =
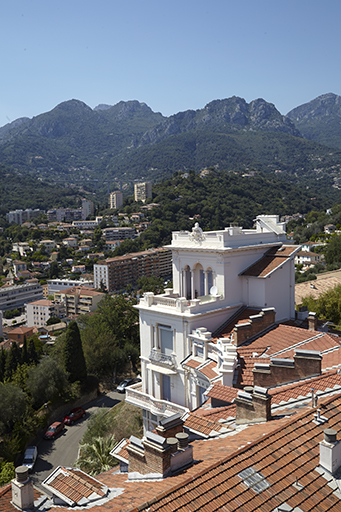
74	485
241	317
223	393
286	459
272	259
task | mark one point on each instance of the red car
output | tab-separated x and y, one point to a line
74	415
54	430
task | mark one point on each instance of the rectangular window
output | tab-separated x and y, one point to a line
166	340
166	387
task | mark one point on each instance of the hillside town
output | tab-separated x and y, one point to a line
239	387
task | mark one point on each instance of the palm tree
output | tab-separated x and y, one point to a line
95	457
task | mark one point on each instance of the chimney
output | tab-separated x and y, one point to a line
256	324
171	426
22	489
330	451
253	405
312	321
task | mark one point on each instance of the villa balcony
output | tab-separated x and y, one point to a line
135	396
158	358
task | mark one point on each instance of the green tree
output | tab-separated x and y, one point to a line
13	360
333	250
3	356
24	352
32	353
7	473
95	457
151	284
73	355
13	405
46	382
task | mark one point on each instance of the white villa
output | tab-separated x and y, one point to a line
216	275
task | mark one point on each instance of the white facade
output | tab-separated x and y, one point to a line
214	275
38	312
57	285
87	208
13	297
101	275
115	199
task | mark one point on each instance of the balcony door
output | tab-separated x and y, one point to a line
166	340
166	387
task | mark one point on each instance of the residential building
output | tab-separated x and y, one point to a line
49	245
215	275
39	311
79	300
13	297
22	248
18	334
85	224
308	258
142	191
115	199
116	273
70	242
19	266
87	208
21	216
58	285
120	233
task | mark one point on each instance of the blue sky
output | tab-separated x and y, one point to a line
173	56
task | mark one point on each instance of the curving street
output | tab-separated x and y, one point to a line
64	450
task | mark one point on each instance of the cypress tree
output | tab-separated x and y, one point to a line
24	352
32	353
73	356
12	361
3	357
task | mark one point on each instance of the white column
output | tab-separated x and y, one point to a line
206	282
192	285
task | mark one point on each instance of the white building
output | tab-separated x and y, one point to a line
57	285
13	297
142	191
87	208
215	274
39	311
115	199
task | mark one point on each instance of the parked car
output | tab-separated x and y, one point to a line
74	415
54	430
30	457
125	383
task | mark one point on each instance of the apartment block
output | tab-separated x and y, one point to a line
21	216
142	191
87	208
79	300
117	273
115	199
120	233
13	297
39	311
58	285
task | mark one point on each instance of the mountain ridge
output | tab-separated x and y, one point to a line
128	141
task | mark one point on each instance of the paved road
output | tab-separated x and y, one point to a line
64	449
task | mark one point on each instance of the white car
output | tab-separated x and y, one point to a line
30	457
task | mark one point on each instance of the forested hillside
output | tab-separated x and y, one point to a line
20	190
219	199
110	146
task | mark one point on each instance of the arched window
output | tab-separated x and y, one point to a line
209	277
187	283
199	280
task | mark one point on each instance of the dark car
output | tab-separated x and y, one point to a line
125	383
54	430
74	415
